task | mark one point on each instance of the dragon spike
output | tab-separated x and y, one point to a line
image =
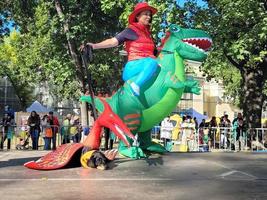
109	120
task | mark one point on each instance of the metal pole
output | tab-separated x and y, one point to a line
85	59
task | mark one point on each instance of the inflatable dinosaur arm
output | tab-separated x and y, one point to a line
192	86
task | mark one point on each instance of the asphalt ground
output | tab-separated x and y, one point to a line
194	176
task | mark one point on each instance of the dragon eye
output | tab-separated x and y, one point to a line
175	29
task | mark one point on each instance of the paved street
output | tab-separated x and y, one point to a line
172	176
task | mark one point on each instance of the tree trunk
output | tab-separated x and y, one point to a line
76	58
253	97
72	46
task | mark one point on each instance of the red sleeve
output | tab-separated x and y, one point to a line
56	121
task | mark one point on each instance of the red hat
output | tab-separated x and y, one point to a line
139	8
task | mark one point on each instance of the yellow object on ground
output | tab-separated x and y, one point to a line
85	157
177	128
183	148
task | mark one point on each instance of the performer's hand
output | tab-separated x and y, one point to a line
85	44
91	44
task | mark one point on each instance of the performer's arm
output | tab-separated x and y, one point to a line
127	34
108	43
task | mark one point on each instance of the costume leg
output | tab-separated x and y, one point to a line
143	68
54	140
149	68
107	134
147	144
2	141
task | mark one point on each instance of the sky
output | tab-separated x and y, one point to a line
199	2
7	25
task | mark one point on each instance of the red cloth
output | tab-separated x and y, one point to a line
142	47
57	159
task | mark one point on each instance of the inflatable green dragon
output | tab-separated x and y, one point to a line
131	117
160	95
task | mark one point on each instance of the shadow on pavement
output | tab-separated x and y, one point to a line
16	162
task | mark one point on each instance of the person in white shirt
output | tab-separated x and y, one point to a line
166	130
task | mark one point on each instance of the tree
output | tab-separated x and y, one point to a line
51	33
10	69
239	30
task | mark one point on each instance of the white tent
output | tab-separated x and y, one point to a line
36	106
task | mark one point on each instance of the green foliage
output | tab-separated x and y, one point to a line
239	32
44	53
21	78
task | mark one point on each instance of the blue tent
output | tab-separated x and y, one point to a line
36	106
193	113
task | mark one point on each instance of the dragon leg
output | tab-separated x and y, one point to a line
135	151
147	144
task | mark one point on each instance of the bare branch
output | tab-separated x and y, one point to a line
71	44
232	61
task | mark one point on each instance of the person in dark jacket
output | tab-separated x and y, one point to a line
7	123
34	124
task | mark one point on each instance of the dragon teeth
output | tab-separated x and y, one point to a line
187	41
195	46
201	38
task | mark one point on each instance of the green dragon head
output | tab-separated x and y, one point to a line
191	44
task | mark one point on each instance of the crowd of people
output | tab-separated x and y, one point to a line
217	133
47	127
187	132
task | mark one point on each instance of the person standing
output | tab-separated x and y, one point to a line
7	131
66	129
47	132
238	126
188	137
166	132
34	124
212	132
139	45
75	129
53	121
225	125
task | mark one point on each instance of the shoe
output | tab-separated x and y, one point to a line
135	89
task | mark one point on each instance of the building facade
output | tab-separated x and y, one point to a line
211	101
8	96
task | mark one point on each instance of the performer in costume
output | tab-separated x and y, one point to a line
139	46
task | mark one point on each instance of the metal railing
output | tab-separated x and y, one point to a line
26	137
44	138
216	139
204	139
